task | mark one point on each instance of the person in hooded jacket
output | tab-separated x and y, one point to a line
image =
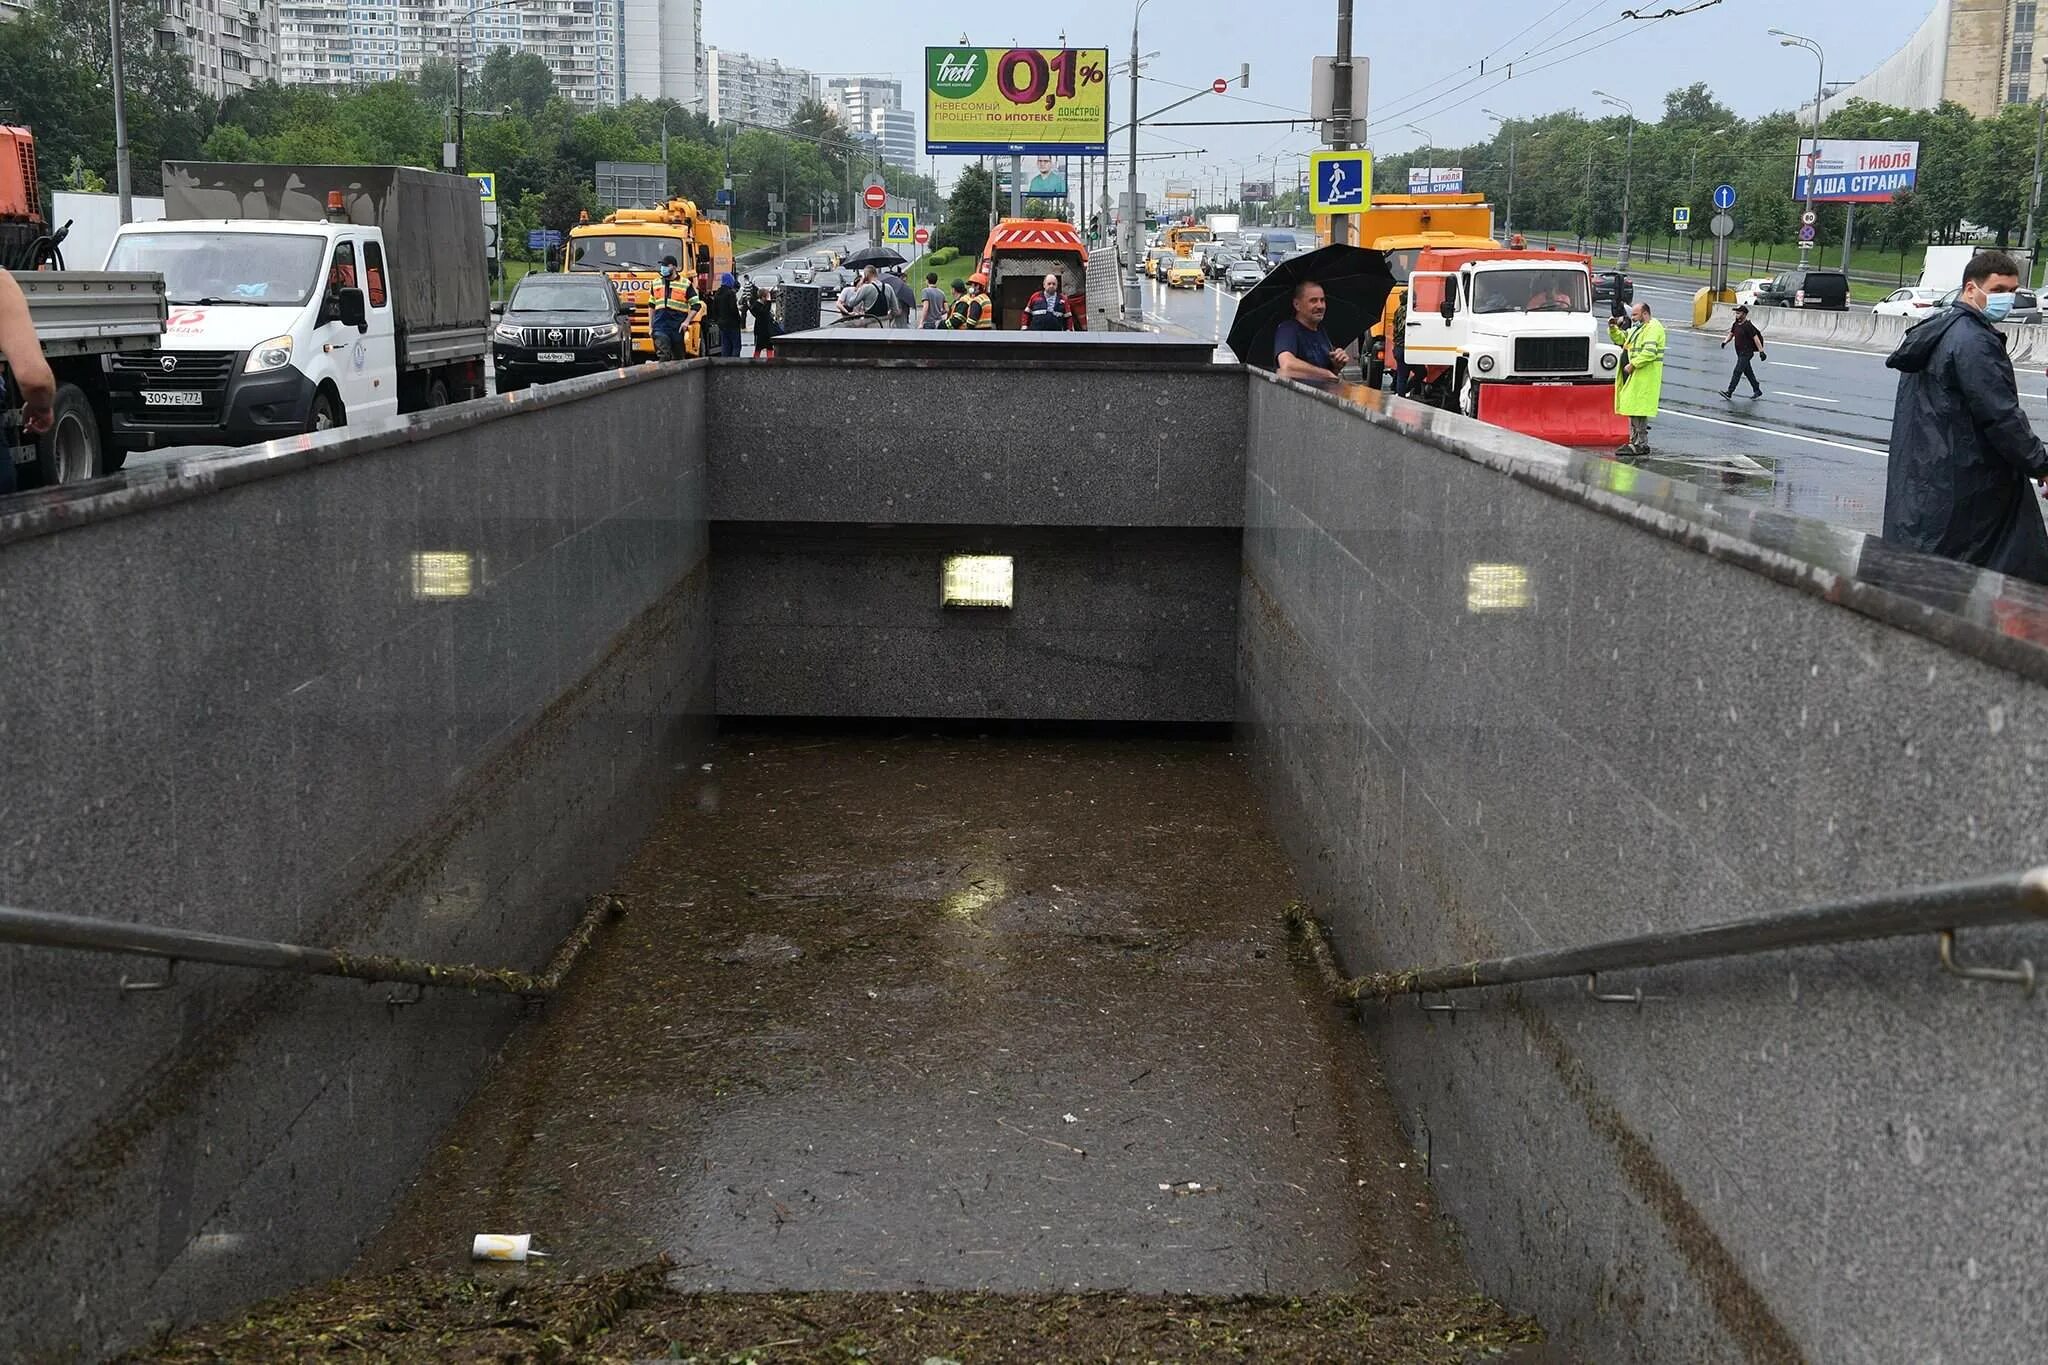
727	316
1962	451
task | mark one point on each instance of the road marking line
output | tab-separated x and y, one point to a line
1786	435
1810	397
1788	365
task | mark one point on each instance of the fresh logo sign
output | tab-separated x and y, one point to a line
956	75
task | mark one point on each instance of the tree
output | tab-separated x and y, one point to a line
519	81
966	226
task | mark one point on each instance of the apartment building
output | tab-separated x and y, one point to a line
753	89
1982	54
854	98
894	132
600	51
231	44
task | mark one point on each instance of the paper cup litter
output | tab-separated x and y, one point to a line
502	1246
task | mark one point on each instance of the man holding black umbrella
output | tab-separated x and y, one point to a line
1302	349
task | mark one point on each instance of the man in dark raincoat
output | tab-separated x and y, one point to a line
1962	451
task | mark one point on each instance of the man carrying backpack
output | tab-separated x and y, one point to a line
902	298
872	301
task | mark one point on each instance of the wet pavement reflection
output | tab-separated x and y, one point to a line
947	1013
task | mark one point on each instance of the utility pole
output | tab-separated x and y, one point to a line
1340	111
124	182
1508	127
1819	93
1629	174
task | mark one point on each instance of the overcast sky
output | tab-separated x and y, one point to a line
1423	56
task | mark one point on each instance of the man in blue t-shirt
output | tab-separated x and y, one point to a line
1303	348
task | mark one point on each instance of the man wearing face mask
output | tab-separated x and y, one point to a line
1048	310
1962	451
669	305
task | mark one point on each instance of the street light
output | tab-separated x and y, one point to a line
461	77
1509	127
1134	289
1819	93
1428	154
1628	173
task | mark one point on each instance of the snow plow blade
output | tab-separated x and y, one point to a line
1564	414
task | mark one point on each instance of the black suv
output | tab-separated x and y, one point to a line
560	326
1826	289
1614	289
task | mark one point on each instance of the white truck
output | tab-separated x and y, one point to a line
1510	337
303	298
83	319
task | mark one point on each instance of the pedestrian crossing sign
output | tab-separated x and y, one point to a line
486	185
899	229
1340	182
1681	217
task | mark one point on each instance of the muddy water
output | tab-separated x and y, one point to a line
946	1013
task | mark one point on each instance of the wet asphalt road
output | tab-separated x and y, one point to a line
1814	444
947	1013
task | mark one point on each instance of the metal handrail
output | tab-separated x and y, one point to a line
44	929
2011	898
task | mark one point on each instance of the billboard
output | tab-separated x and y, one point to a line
1256	192
1180	189
1049	100
1436	180
1838	171
1046	178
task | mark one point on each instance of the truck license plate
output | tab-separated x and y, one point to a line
170	398
555	357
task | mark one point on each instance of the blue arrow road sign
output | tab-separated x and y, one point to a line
1724	197
541	239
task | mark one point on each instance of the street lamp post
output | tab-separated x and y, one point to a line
1509	127
1428	153
461	75
1134	290
124	183
1628	174
1819	93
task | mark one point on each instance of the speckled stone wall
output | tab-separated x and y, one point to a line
838	489
414	690
1489	718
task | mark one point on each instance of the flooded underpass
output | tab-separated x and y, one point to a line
1011	1025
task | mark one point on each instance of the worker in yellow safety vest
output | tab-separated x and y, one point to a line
668	307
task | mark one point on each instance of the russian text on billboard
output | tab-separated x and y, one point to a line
1031	100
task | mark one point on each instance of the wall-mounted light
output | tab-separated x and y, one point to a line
1496	587
977	581
441	574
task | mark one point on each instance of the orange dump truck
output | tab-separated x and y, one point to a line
1403	226
1510	337
1020	253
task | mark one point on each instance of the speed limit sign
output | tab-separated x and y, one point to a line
1808	218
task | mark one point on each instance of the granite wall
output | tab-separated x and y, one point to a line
415	689
1496	708
837	490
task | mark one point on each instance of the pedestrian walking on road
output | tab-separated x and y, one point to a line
1048	310
1749	342
1639	383
726	314
669	312
766	329
1962	451
932	315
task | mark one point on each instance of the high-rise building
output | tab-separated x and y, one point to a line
854	98
231	44
752	90
1983	54
895	134
599	51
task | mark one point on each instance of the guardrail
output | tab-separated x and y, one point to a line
2011	898
43	929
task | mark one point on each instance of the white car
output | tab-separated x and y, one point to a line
1908	303
1745	293
1242	275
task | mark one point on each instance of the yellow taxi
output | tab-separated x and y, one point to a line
1185	272
1156	261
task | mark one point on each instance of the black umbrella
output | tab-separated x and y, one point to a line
875	256
1355	279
